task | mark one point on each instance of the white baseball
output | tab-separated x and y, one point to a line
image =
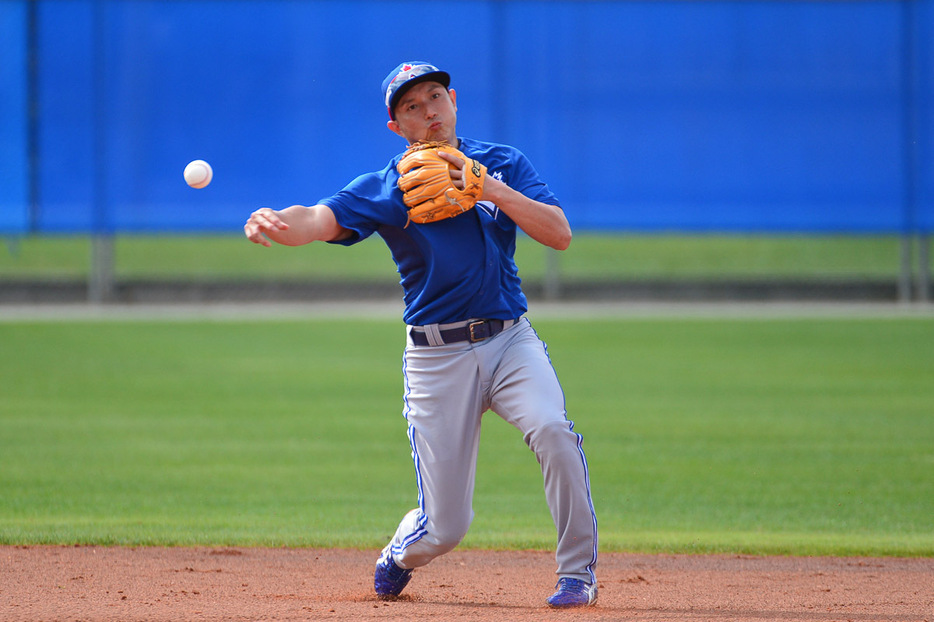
198	174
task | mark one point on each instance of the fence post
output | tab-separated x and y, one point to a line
910	78
101	278
552	284
905	268
923	283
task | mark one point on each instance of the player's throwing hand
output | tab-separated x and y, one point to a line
261	222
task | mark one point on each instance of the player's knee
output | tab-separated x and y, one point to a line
551	437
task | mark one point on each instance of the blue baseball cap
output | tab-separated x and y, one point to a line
407	75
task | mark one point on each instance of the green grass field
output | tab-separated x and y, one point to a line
790	436
590	256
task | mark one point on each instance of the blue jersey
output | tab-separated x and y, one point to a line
454	269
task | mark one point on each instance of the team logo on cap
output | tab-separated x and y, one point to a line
405	74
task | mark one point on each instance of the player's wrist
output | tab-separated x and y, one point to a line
494	190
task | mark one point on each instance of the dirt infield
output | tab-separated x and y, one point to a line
113	583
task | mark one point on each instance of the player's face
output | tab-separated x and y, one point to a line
427	111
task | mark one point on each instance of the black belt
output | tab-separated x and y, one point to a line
473	332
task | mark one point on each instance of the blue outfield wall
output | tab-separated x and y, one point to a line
14	114
755	116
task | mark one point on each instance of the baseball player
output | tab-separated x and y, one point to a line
449	209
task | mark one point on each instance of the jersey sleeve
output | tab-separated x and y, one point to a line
366	204
525	179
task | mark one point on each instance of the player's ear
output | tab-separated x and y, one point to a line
453	95
394	127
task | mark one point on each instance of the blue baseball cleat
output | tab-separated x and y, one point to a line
389	579
573	593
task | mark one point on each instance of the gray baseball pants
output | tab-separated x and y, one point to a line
447	390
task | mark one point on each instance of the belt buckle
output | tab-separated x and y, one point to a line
470	331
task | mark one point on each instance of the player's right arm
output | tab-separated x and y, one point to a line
294	226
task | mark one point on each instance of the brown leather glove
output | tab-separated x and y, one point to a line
426	183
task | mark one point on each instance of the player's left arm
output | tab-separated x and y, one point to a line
543	223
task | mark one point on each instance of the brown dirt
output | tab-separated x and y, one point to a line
114	583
